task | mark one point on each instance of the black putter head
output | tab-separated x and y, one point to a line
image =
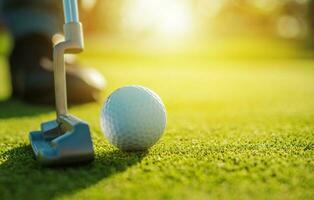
66	140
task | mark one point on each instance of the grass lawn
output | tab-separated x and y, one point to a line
236	129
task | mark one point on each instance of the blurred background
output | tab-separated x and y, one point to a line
197	30
211	28
220	26
228	27
173	19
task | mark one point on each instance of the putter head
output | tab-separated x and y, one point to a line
66	140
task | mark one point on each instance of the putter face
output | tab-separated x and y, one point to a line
66	141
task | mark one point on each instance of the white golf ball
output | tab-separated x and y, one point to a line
133	118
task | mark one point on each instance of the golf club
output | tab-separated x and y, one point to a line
67	139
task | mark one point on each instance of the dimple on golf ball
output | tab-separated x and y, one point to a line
133	118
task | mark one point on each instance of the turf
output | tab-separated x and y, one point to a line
236	130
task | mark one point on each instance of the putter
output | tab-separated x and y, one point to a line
67	139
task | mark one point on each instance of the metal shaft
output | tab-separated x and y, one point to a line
73	44
70	11
60	80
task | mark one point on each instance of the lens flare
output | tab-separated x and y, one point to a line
172	18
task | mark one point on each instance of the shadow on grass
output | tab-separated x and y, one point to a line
13	108
22	178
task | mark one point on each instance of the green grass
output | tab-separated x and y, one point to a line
236	130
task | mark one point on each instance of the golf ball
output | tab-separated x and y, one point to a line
133	118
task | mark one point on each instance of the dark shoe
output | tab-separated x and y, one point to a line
32	74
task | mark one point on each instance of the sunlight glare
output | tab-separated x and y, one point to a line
88	4
166	18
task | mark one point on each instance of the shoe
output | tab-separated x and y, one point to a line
32	74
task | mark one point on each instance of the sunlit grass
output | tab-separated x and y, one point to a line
236	129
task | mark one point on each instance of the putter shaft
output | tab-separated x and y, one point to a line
73	43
